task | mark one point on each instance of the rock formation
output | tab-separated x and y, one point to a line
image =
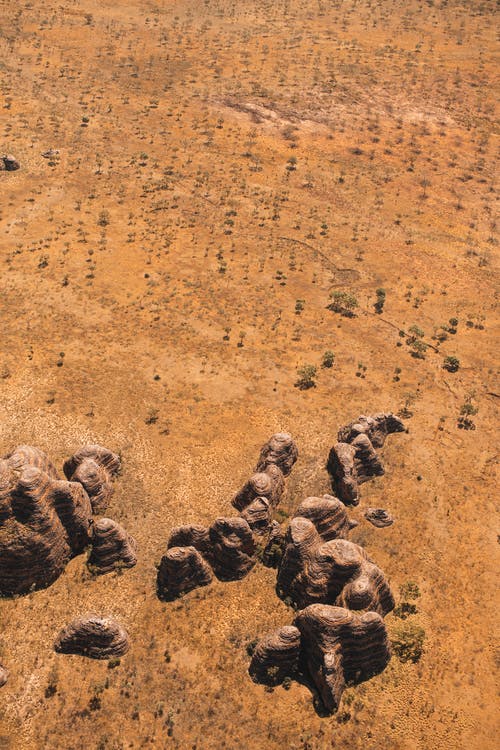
354	460
276	656
93	636
376	428
313	570
4	675
112	547
9	163
44	521
280	450
341	647
181	569
232	548
258	515
273	549
378	517
328	515
351	464
94	468
269	484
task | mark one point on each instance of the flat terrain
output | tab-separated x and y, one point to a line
222	168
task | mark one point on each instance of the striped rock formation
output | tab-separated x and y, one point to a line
258	515
44	521
276	656
328	515
269	484
232	548
351	464
93	636
94	468
280	450
275	544
112	547
341	647
4	675
333	572
181	569
378	517
376	428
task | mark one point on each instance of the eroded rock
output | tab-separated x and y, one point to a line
112	547
329	516
258	515
280	450
232	548
333	572
93	636
43	522
269	484
4	675
351	464
94	468
276	656
376	428
10	163
378	517
181	569
341	647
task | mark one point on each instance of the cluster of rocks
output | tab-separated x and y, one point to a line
228	548
353	459
338	636
45	520
9	163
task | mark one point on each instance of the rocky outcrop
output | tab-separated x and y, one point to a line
112	548
276	656
354	460
9	163
280	450
191	535
341	647
272	551
232	548
4	675
43	522
333	572
94	468
351	464
93	636
328	515
258	515
378	517
181	570
376	428
269	484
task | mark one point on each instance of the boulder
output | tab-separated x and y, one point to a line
232	548
4	675
112	547
10	163
276	656
378	517
93	636
351	464
280	450
181	569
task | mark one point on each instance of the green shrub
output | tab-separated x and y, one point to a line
306	379
408	642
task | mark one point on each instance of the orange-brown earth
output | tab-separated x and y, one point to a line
218	163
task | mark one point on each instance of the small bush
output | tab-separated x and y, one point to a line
306	379
328	359
344	303
408	642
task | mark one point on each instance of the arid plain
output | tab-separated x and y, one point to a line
218	170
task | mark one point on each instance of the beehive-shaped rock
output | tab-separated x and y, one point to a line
376	428
280	450
44	521
269	484
93	636
341	647
329	516
316	571
181	569
112	547
258	515
94	468
276	656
